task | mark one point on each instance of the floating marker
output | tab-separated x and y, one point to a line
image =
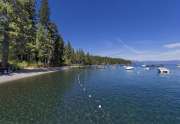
84	89
99	106
78	77
89	95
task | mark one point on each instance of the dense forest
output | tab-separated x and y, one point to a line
27	35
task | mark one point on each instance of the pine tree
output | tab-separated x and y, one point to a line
41	44
11	17
44	12
68	53
6	10
56	50
30	47
88	59
19	28
26	35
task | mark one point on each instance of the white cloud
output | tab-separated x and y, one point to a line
172	45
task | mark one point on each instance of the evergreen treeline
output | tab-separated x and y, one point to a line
28	34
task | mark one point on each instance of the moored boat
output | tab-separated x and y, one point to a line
143	65
100	67
178	65
163	70
147	68
128	67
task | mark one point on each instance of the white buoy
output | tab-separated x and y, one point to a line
99	106
79	81
84	89
89	95
78	77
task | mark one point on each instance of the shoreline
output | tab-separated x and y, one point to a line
31	72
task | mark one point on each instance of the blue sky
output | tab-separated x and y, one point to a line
132	29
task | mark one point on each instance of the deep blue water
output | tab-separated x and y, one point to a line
93	96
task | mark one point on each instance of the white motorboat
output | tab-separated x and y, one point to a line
100	67
178	65
163	70
128	67
147	68
143	65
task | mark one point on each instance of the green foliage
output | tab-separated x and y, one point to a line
68	53
25	64
41	45
56	45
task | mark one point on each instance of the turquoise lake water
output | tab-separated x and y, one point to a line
93	96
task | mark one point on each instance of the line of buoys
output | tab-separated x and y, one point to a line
84	89
97	101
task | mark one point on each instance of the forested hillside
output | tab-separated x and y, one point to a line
28	35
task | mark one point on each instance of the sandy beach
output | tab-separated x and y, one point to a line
30	72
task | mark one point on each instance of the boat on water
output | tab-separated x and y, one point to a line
178	65
128	67
163	70
147	68
100	67
143	65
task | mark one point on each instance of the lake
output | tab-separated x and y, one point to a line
93	96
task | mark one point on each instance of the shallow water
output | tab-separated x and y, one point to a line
93	96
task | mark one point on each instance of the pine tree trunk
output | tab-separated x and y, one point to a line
5	50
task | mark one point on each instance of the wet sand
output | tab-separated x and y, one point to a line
30	72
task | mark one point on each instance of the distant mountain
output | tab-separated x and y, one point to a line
158	62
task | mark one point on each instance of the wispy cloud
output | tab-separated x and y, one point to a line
119	48
129	47
172	45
